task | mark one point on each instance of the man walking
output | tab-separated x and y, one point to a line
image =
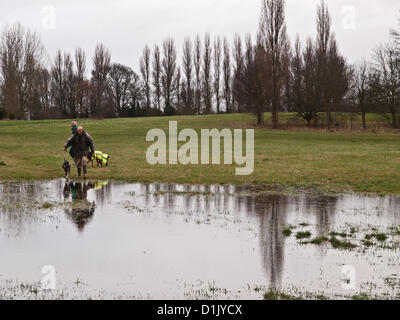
80	142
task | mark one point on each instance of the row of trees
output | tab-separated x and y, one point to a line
254	74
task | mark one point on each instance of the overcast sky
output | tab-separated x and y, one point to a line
125	26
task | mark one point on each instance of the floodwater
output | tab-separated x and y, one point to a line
164	241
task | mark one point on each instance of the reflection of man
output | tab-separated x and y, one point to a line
81	210
80	142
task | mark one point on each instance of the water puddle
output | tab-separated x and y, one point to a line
164	241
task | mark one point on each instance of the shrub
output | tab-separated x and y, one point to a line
3	113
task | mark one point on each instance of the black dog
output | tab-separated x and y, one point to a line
67	168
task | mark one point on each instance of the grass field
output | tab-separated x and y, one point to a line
339	161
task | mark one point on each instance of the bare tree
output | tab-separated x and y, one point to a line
70	86
238	73
178	91
338	80
273	39
21	62
45	110
197	67
58	84
254	86
324	38
217	72
206	75
187	90
361	90
156	81
101	69
302	81
227	70
145	71
121	79
168	74
385	82
82	102
64	85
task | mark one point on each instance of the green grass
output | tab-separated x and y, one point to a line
287	232
319	241
381	237
340	161
361	296
338	234
339	244
303	235
273	295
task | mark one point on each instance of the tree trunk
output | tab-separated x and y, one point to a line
329	116
394	120
260	118
274	110
364	121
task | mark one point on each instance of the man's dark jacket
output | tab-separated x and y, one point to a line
80	144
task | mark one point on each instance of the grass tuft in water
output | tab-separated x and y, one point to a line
368	243
381	237
361	296
47	205
337	234
287	232
339	244
319	241
273	294
303	235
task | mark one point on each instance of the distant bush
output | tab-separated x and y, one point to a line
2	113
11	116
169	111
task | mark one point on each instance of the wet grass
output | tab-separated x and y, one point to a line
277	295
287	232
184	193
381	237
368	243
303	235
340	244
361	296
319	241
48	205
313	160
339	234
353	237
16	290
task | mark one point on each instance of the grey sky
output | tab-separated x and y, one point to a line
126	26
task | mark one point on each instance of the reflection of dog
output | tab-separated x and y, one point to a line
67	168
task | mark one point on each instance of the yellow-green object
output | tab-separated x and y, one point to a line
105	158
